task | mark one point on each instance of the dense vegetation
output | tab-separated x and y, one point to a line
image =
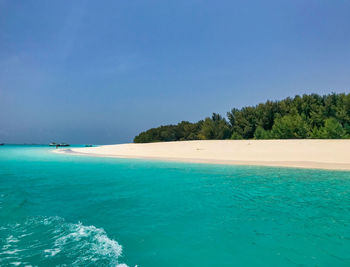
307	116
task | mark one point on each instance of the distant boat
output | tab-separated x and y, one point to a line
58	145
63	144
88	145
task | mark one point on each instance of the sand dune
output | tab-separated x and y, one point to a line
321	154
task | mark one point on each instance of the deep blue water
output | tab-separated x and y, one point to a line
62	210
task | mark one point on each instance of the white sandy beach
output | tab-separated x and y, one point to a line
320	154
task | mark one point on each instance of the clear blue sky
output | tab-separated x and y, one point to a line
102	71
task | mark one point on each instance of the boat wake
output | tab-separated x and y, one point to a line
51	241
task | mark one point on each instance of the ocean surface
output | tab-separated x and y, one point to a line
64	210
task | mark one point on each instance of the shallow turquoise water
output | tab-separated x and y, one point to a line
61	210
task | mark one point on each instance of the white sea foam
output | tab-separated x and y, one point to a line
90	239
10	252
51	252
77	243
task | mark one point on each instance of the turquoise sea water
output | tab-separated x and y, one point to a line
62	210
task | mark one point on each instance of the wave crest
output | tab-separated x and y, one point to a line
52	241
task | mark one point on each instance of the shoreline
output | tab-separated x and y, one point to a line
304	153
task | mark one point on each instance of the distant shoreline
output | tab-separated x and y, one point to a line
306	153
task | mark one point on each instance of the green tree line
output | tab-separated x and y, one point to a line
306	116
